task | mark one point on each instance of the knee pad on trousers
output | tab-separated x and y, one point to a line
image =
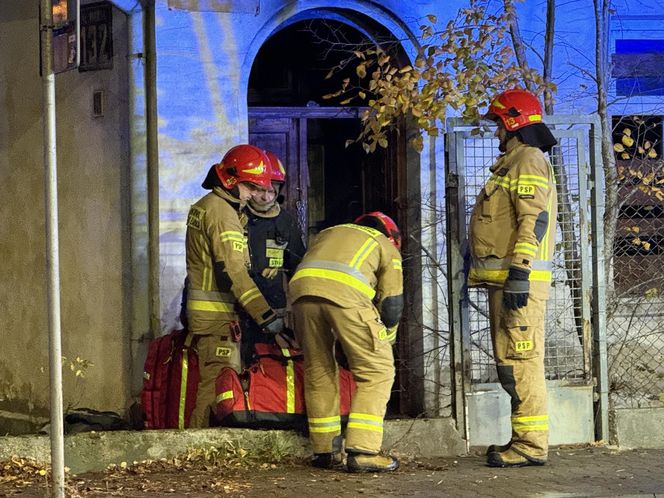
506	377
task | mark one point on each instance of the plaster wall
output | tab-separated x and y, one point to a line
204	61
93	169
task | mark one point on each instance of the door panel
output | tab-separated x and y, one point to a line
287	139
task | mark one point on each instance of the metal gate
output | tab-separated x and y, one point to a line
576	293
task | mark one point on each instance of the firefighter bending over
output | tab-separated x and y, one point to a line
349	287
512	236
218	270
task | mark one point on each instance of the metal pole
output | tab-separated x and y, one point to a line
52	252
152	163
600	354
456	278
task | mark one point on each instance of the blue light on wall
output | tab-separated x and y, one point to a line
646	77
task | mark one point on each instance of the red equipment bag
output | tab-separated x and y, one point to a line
270	393
170	382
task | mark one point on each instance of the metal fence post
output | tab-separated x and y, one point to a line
458	302
600	353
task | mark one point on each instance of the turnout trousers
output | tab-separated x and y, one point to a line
518	345
318	323
215	351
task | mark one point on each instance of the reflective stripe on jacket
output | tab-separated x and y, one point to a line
513	220
350	265
216	235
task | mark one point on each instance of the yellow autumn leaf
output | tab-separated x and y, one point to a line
651	293
361	70
636	241
618	147
624	155
647	144
432	19
627	131
627	140
635	229
332	95
646	245
652	153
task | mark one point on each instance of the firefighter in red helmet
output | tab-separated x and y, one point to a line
349	288
275	247
511	237
218	280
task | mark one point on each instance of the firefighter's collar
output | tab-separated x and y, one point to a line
511	145
273	212
227	196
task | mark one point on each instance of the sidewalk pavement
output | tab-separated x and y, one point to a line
570	472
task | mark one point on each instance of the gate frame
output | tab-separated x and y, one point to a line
458	296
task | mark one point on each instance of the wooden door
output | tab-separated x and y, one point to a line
286	137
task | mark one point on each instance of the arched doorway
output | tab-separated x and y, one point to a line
331	180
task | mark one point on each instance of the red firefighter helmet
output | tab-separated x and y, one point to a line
277	170
515	108
244	163
382	220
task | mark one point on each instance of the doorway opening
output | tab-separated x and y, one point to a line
330	179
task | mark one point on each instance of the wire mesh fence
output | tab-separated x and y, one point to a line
635	307
635	284
566	350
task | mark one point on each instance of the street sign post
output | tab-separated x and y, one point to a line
65	42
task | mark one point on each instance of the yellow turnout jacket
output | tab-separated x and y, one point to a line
350	265
513	221
217	266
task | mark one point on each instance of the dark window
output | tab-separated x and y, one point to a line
638	137
639	244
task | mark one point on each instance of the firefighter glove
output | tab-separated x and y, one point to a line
516	289
274	327
270	273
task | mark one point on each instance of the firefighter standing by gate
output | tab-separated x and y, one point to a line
275	247
349	287
512	237
217	270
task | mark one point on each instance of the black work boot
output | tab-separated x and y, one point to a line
330	460
498	448
327	460
360	462
512	458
